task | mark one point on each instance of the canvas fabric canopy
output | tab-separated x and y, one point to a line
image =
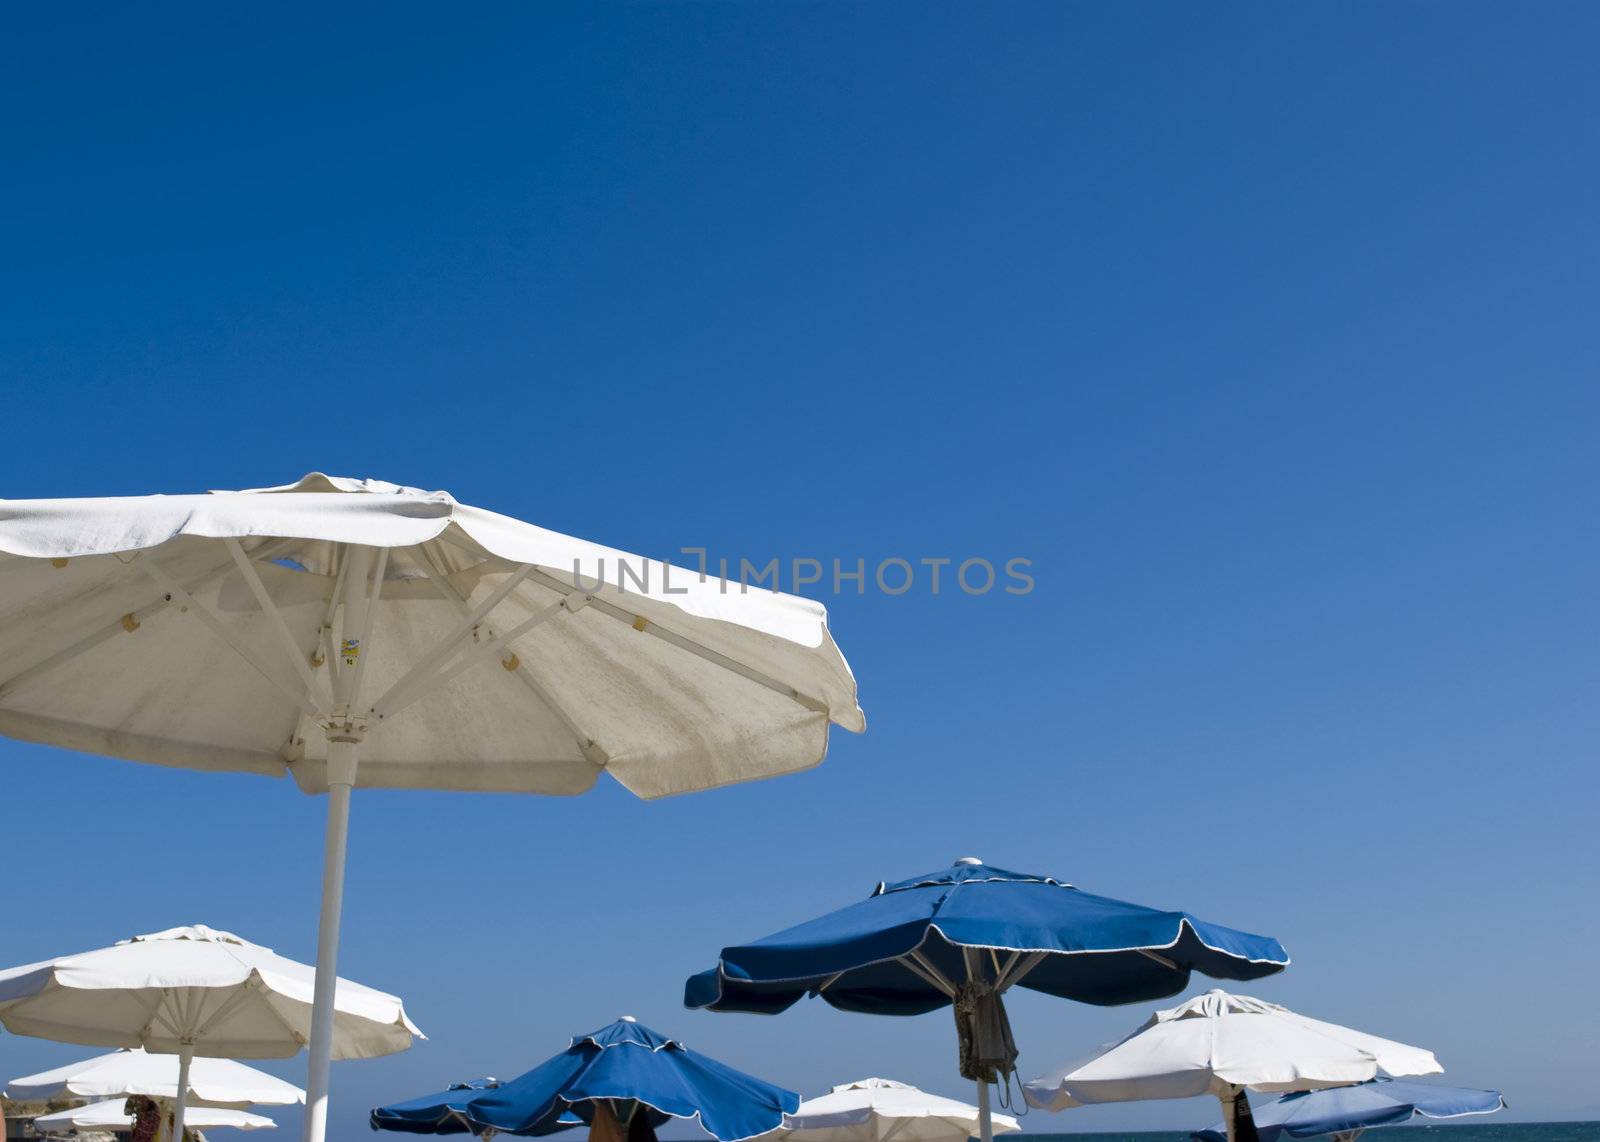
621	1062
194	988
212	1082
112	1115
1218	1044
882	1110
1346	1111
200	631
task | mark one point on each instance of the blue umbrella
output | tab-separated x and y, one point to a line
1348	1110
442	1113
623	1064
963	935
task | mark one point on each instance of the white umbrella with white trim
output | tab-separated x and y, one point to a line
359	633
112	1114
212	1082
1223	1045
882	1110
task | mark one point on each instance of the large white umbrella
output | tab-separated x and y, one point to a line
352	632
194	991
112	1115
881	1110
1223	1044
212	1082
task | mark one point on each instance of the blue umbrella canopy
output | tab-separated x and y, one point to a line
441	1113
910	946
961	936
622	1062
1350	1109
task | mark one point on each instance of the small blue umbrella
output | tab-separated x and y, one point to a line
963	935
442	1113
623	1064
1348	1110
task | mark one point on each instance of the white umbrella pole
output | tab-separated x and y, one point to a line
341	764
985	1124
185	1057
343	750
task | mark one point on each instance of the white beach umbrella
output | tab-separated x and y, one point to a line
194	991
1222	1044
212	1082
352	632
112	1115
878	1110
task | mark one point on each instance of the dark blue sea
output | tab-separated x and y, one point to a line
1500	1132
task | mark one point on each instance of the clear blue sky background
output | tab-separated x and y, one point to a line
1268	333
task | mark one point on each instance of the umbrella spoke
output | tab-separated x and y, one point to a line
387	706
227	1007
1017	968
923	969
126	624
586	743
297	657
205	614
640	623
373	590
1160	959
424	667
153	1014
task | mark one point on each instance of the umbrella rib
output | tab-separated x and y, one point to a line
325	631
1018	967
159	1014
590	749
210	618
295	1033
469	658
932	976
297	657
715	657
374	591
899	1125
1160	959
127	623
227	1007
471	617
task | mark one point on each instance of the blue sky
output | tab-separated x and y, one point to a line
1267	333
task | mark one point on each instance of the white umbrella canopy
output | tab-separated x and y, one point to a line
881	1110
212	1082
112	1115
1223	1044
194	991
359	633
198	990
207	631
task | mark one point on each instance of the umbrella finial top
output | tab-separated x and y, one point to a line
199	932
627	1019
967	861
